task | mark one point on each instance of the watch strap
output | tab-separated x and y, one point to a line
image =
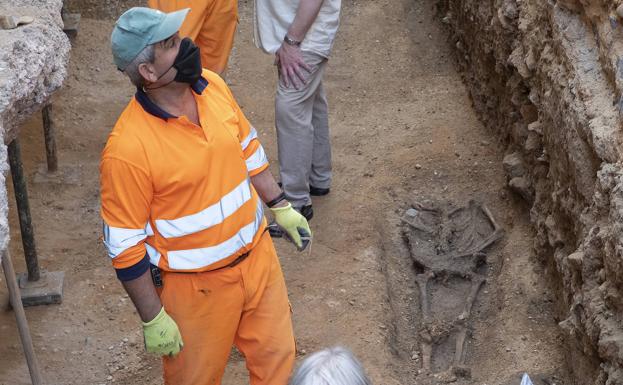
290	41
280	197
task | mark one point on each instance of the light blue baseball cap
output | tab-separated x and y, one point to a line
139	27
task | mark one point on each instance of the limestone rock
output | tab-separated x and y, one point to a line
33	64
522	187
533	142
514	166
529	112
33	61
536	127
516	59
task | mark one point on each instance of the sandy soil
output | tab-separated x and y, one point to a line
403	129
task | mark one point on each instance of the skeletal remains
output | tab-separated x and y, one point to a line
447	247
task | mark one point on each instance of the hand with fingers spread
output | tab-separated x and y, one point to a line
293	224
162	335
292	68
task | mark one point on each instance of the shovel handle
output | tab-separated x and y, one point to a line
20	316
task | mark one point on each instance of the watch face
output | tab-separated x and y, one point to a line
291	41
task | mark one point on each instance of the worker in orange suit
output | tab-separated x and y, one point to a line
211	24
184	180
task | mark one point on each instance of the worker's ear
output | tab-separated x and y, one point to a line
148	72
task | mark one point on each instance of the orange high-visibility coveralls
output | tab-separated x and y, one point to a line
246	305
210	23
178	195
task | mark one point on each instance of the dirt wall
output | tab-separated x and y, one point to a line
547	76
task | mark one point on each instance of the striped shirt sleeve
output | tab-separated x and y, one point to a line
126	193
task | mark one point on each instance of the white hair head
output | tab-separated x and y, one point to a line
147	55
333	366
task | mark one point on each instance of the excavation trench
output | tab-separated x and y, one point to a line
546	77
423	294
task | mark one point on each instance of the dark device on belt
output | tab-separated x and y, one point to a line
155	275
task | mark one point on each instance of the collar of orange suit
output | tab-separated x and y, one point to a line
155	110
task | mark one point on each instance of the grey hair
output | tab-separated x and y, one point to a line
333	366
147	55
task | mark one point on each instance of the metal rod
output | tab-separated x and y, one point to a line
50	138
20	316
23	211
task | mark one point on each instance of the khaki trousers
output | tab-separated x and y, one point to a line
304	146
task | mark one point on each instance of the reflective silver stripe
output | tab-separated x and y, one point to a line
118	240
154	255
206	218
252	135
257	160
197	258
149	230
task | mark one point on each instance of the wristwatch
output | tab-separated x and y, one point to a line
289	41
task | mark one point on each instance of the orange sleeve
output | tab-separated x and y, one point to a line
126	194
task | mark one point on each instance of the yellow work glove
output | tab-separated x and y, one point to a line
293	224
162	336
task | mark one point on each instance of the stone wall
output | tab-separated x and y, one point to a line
33	61
547	76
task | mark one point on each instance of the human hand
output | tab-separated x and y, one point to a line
290	63
293	224
162	336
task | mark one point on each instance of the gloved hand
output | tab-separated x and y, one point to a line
162	336
293	224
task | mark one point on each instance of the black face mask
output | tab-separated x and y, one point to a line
187	63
